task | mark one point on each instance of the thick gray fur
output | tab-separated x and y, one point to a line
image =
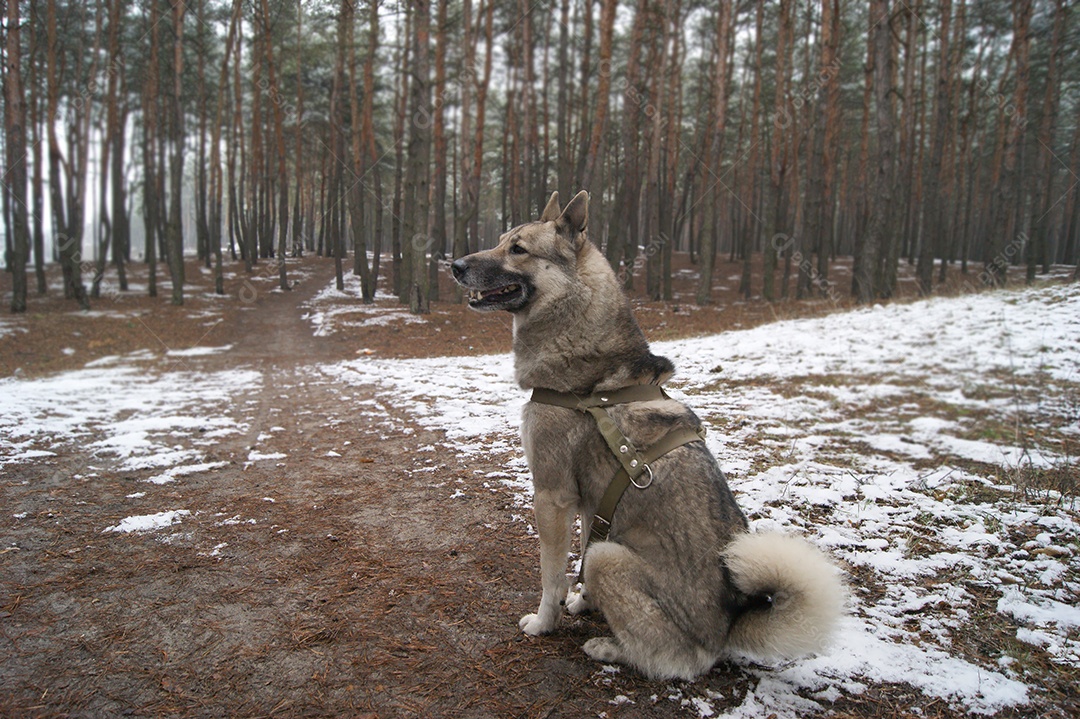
679	580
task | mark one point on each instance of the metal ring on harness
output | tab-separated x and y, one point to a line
648	469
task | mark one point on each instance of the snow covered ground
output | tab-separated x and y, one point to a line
333	310
914	442
906	440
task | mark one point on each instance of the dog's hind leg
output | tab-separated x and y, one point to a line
645	636
554	524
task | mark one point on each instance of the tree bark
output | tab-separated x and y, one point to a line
419	156
1006	230
15	171
358	228
933	234
1037	248
175	233
881	194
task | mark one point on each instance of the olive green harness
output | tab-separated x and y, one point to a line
634	463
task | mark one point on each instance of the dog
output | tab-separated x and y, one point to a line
679	579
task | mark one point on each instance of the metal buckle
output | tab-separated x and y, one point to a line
599	530
646	485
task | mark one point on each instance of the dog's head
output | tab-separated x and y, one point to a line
532	262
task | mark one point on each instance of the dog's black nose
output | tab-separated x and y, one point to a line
458	267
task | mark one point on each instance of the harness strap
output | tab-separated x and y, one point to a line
633	462
605	511
631	459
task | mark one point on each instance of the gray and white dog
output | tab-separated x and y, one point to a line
680	580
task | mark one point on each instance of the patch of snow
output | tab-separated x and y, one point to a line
148	522
855	462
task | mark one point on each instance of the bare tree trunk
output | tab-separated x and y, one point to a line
881	195
655	239
369	142
1007	226
298	214
465	205
37	182
778	152
175	234
215	153
149	123
356	182
624	230
936	209
753	228
438	190
473	191
671	220
1037	250
15	146
419	156
202	226
399	245
563	154
590	177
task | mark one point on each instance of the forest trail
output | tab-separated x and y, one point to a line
313	554
237	508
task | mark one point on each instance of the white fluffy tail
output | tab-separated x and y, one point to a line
800	592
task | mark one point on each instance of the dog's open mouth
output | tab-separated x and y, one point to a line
507	294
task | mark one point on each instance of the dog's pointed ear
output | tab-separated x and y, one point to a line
551	210
576	215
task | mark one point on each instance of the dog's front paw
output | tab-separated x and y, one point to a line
533	625
604	649
578	603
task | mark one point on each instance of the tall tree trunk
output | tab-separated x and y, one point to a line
337	140
356	181
215	152
624	231
482	84
298	120
655	239
175	233
562	111
753	228
785	121
15	171
882	192
901	234
149	122
1006	230
1037	250
438	190
465	206
370	143
37	182
400	245
934	228
419	156
279	143
591	177
202	227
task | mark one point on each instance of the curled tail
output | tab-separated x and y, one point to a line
794	595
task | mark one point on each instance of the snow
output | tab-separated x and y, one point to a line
138	416
890	436
148	522
198	351
870	433
332	310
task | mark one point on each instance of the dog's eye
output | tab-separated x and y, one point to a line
518	250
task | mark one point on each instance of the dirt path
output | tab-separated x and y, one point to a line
332	559
336	580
